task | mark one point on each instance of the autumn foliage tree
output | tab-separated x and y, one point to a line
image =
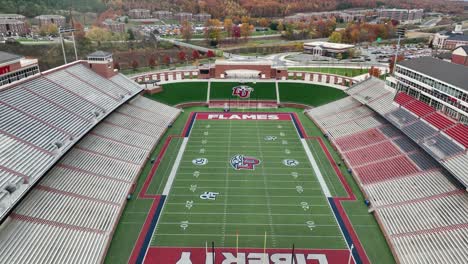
182	56
135	65
152	62
167	60
195	55
375	72
392	61
186	30
210	54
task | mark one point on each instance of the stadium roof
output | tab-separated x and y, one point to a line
447	72
458	37
6	57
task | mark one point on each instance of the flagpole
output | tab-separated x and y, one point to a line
350	253
264	248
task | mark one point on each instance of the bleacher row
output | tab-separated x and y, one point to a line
420	207
442	138
44	116
69	217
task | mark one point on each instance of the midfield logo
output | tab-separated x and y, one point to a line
241	162
242	91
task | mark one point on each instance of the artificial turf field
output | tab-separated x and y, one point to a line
285	201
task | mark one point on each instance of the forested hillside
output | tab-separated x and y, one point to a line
218	8
31	8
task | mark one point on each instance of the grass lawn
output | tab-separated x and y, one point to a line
337	71
176	93
309	94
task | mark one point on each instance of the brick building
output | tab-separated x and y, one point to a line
139	13
114	26
12	27
45	20
460	55
201	18
161	14
404	16
183	16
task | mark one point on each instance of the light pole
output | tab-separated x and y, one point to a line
400	32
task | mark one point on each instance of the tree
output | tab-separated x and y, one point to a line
245	30
195	55
131	35
52	30
280	26
392	61
210	54
228	26
339	56
186	30
182	56
152	62
167	60
374	71
335	37
99	34
135	65
213	31
263	22
236	32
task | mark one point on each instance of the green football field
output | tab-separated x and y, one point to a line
284	202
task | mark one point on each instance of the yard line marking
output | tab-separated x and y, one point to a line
249	188
245	180
255	204
242	224
317	171
262	235
247	195
230	213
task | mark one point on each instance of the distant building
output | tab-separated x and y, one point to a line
45	20
404	16
14	68
12	27
139	13
12	16
344	15
161	14
202	18
449	42
460	55
114	26
183	16
328	49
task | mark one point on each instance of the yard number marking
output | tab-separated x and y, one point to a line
299	189
202	151
205	133
284	142
189	204
282	134
193	187
294	174
196	174
184	224
310	225
287	151
305	206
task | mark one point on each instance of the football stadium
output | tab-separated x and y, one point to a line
238	162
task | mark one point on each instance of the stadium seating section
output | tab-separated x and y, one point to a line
101	132
398	161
